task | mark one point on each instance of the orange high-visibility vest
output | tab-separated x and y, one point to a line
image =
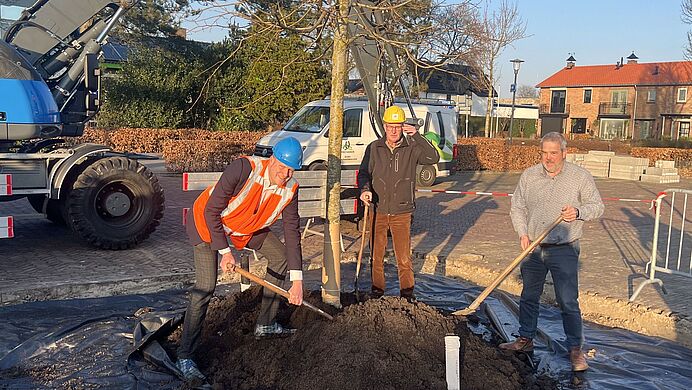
246	212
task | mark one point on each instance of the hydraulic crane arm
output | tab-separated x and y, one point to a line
57	37
375	59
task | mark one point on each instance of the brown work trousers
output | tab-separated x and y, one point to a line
400	226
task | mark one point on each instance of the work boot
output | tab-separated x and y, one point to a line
407	294
272	331
578	360
376	293
521	344
192	375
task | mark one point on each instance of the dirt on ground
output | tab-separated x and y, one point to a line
385	343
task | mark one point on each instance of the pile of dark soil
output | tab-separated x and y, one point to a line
385	343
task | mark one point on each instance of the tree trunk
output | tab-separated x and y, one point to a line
489	104
331	267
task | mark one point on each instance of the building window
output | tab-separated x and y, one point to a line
643	129
557	102
684	131
587	96
578	126
682	95
613	129
651	96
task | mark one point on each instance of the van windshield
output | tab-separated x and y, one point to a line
310	119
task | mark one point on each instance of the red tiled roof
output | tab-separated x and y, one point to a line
654	73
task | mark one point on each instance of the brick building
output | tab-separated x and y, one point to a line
622	101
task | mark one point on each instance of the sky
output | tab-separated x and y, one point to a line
596	32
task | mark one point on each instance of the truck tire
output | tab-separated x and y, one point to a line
318	166
426	175
115	203
54	212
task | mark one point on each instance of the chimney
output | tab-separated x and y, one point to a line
632	59
181	32
570	62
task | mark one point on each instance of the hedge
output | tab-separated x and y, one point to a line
476	154
152	140
202	155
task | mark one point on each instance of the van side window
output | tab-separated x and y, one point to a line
352	122
441	123
435	125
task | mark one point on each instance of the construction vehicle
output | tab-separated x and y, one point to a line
380	70
50	79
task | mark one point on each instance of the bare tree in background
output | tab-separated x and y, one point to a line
500	27
527	91
686	16
411	28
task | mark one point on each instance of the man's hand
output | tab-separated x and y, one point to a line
569	214
295	293
228	262
409	130
366	197
525	242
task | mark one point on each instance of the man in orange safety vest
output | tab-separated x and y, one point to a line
251	194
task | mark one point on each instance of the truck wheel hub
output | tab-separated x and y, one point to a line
116	204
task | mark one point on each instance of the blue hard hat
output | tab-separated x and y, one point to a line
289	152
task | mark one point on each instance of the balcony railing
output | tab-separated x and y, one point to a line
615	109
546	109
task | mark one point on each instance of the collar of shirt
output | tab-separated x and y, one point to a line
267	186
398	143
545	172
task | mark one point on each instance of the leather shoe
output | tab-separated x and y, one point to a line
578	360
272	331
521	344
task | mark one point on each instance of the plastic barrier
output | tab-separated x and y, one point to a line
6	223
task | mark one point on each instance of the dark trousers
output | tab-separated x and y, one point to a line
400	226
563	263
206	272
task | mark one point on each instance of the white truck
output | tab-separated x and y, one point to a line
310	126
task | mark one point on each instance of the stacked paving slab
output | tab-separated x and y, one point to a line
664	171
576	158
627	168
597	162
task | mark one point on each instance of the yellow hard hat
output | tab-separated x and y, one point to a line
394	114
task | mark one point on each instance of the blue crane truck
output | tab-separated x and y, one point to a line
49	91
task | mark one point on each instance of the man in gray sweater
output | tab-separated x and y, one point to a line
387	178
546	190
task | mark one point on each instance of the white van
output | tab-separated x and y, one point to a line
310	126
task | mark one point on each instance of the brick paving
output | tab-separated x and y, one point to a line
614	250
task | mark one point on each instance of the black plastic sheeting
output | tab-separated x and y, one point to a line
101	343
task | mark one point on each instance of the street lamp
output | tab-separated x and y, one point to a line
516	64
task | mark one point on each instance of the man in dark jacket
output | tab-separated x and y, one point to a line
387	178
238	210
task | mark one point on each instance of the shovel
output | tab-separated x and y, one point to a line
362	246
474	305
278	290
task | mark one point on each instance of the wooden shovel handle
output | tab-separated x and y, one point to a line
278	290
362	238
474	305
